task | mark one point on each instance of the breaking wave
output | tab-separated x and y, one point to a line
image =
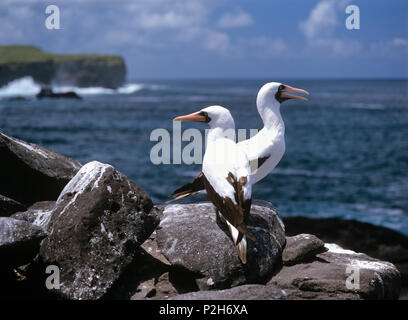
20	87
28	87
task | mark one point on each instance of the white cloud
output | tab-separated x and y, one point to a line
320	25
391	48
400	42
322	19
168	19
235	19
218	42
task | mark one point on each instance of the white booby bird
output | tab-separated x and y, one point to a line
266	148
226	174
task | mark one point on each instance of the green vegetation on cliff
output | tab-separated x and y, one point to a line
28	54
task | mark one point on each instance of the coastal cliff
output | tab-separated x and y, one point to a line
83	70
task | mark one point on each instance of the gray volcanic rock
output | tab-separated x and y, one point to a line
376	241
190	238
39	214
244	292
9	206
98	222
341	274
19	242
301	247
30	173
151	277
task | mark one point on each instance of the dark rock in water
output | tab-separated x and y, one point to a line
244	292
378	242
30	173
39	214
48	93
340	274
301	247
19	242
98	222
190	238
9	206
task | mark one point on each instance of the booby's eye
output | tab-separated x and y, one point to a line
205	114
281	87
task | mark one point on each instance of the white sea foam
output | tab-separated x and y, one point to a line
20	87
368	106
28	87
307	173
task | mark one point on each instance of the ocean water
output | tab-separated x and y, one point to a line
346	154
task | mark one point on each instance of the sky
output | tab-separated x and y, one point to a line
176	39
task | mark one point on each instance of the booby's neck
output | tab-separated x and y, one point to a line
270	114
227	130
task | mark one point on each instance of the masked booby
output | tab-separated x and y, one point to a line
226	174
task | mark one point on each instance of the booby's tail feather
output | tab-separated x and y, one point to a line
240	242
242	249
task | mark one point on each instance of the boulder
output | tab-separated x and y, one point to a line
151	277
99	221
30	173
9	206
301	247
189	237
19	242
340	274
244	292
39	214
376	241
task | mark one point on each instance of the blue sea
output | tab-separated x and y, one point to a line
346	148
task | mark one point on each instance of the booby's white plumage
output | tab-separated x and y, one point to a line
223	156
269	142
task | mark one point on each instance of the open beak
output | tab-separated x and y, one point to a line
191	117
291	89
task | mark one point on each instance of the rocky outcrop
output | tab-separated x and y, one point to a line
244	292
9	206
190	238
39	214
48	93
340	274
30	173
19	242
98	222
70	70
377	242
300	248
103	233
152	277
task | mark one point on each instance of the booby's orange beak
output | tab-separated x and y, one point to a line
292	89
196	116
